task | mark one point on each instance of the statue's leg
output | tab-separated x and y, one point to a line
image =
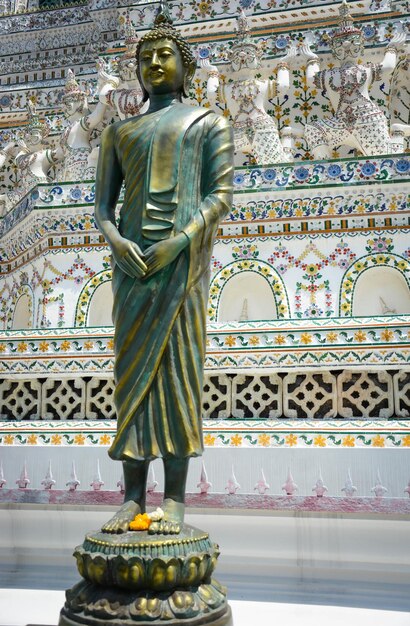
318	141
176	471
135	481
322	152
374	137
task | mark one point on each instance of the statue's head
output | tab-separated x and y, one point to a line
244	54
74	100
347	41
165	63
127	68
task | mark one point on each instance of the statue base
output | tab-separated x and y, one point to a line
138	579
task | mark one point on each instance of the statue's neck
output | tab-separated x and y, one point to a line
133	83
161	101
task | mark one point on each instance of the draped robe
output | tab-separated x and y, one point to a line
177	165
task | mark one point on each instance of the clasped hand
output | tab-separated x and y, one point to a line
131	260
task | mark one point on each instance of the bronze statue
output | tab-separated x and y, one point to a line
177	165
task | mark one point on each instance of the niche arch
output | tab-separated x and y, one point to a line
92	303
268	279
353	285
21	312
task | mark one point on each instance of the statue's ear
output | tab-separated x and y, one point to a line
188	78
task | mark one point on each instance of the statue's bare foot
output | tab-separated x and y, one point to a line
172	521
121	520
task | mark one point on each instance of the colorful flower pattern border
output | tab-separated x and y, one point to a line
283	344
298	175
224	434
343	172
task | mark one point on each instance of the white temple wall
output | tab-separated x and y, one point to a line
310	247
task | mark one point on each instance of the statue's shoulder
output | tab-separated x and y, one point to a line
209	117
129	123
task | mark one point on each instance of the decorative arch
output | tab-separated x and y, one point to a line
364	263
262	268
86	295
22	292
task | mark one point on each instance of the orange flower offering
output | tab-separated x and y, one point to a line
142	521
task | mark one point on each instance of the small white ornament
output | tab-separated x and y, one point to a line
320	488
24	480
379	490
3	481
407	490
73	483
97	480
48	482
349	487
121	484
151	482
262	485
204	485
289	486
232	485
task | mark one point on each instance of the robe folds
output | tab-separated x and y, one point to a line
177	165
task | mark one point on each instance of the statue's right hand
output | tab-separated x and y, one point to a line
128	256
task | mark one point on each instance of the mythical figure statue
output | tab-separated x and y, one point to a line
176	163
247	97
358	122
34	158
75	146
127	98
6	154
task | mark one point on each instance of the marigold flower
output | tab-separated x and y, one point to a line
142	521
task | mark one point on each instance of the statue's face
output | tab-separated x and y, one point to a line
33	137
244	58
72	105
348	48
161	67
127	69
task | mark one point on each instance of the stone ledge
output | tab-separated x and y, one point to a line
225	503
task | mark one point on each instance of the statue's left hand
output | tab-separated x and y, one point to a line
163	253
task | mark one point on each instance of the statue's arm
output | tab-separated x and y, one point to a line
218	181
283	77
216	202
391	55
213	82
109	178
312	64
106	83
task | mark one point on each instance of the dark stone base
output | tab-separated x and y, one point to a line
92	605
